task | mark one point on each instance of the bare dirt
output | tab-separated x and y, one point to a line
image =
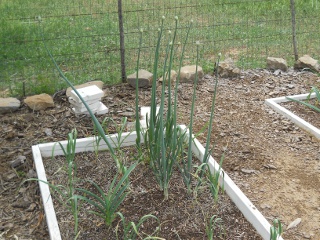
274	163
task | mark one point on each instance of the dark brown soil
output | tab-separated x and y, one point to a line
182	216
285	160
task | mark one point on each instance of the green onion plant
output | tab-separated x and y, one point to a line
69	154
214	223
275	229
163	139
131	229
119	132
107	204
213	103
97	137
65	194
211	179
187	165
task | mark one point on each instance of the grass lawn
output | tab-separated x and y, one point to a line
83	36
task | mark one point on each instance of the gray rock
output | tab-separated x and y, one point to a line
31	174
39	102
249	171
264	206
277	63
127	114
307	62
99	84
9	105
48	131
173	77
294	223
188	73
144	79
227	69
18	161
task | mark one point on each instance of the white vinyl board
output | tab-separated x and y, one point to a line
274	104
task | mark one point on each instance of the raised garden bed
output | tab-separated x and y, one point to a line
40	151
275	104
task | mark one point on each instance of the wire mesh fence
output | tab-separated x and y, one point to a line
83	36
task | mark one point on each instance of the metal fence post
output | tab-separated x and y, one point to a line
294	36
122	48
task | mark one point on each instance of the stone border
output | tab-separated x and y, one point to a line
274	104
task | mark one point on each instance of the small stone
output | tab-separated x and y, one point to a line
273	93
32	207
6	227
99	84
248	171
127	114
264	206
144	79
22	190
10	176
210	89
277	64
307	62
48	131
31	174
173	77
277	72
207	76
295	223
18	161
22	203
306	235
188	73
9	105
39	102
228	69
270	166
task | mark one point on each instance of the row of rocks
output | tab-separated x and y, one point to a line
41	101
44	101
304	62
228	69
36	103
188	74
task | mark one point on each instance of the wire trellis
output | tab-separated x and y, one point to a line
83	36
